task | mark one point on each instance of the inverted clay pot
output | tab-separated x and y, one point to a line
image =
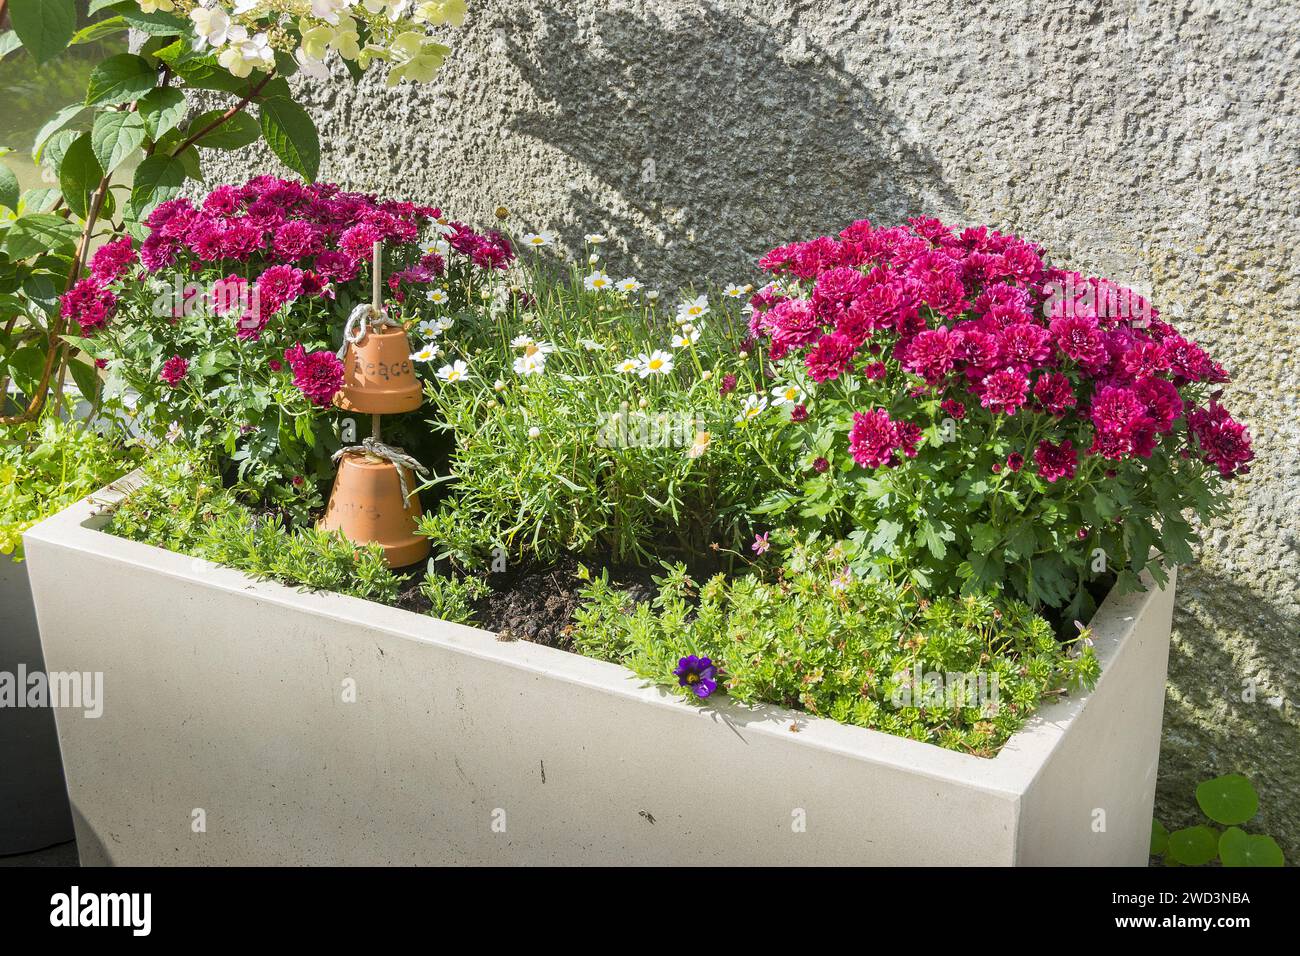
378	377
366	505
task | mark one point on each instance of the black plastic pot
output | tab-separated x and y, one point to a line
34	809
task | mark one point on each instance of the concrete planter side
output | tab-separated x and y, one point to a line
33	800
226	695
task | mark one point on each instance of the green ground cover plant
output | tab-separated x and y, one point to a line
964	673
47	464
181	504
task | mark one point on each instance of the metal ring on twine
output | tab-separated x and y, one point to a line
375	448
362	319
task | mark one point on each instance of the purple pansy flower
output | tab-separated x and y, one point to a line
697	673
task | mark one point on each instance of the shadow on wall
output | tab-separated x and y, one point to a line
666	112
1228	685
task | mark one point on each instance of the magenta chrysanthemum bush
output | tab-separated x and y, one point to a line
242	297
977	416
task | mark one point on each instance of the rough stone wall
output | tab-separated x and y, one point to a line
1151	141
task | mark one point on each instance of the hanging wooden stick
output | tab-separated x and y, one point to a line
376	302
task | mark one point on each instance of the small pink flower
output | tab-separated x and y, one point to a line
318	375
954	408
1056	461
761	545
830	357
1005	391
113	260
874	372
174	371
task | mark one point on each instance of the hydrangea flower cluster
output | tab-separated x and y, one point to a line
978	318
245	35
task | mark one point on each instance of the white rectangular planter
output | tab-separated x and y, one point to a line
228	696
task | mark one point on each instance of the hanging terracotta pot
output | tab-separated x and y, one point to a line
368	505
378	375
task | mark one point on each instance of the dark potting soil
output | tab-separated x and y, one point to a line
535	602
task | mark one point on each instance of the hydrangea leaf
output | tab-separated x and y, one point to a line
157	179
9	188
120	79
44	26
79	175
162	109
291	134
115	136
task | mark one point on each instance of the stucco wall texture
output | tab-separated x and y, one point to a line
1153	142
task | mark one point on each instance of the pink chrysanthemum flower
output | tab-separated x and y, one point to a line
318	375
1055	393
829	358
1056	462
875	439
174	371
932	354
1005	391
88	304
1223	442
113	260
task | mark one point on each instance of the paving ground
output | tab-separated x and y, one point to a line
62	854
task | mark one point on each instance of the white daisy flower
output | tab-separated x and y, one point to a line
753	407
694	309
534	363
657	362
437	296
627	366
539	239
594	238
532	346
787	395
652	295
442	227
428	329
457	371
444	324
426	353
737	291
687	336
434	247
630	284
598	281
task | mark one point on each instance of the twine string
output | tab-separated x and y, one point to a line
363	318
398	457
